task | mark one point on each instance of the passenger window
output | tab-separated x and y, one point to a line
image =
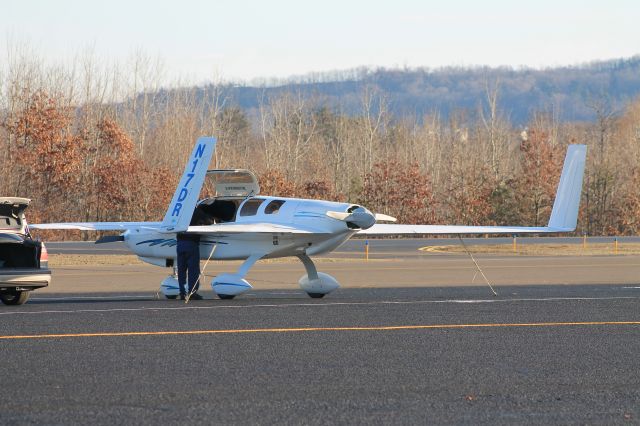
273	207
250	207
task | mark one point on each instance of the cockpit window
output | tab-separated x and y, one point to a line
250	207
273	207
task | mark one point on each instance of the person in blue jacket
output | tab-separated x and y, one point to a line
188	251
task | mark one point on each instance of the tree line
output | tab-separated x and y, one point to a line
93	145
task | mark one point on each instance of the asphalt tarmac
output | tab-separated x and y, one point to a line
405	341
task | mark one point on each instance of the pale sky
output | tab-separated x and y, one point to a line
241	40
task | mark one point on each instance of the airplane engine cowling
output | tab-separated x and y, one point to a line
361	218
324	284
230	285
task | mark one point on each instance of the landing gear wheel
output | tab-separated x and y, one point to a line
226	296
172	297
316	295
14	298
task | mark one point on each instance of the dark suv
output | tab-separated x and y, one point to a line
23	260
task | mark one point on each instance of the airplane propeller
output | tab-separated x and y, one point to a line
385	218
360	217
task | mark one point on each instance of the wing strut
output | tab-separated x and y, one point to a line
477	266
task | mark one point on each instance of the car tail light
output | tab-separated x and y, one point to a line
44	257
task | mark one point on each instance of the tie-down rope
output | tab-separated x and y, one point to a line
477	266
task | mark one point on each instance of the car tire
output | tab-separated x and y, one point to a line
14	297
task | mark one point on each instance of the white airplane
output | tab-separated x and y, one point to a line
248	226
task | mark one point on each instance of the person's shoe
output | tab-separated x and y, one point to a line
195	296
183	296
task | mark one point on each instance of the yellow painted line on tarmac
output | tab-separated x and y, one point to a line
312	329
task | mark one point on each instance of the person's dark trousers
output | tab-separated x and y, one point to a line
188	264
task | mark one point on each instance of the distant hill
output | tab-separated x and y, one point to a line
565	91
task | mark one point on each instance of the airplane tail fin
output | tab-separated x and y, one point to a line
564	215
184	200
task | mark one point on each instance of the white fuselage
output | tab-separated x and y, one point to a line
323	234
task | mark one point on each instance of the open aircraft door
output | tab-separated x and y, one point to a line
232	183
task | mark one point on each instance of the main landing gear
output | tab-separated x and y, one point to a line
227	286
315	283
169	286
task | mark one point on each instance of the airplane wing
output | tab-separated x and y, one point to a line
564	214
382	229
97	226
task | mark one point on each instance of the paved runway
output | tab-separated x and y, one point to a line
405	341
